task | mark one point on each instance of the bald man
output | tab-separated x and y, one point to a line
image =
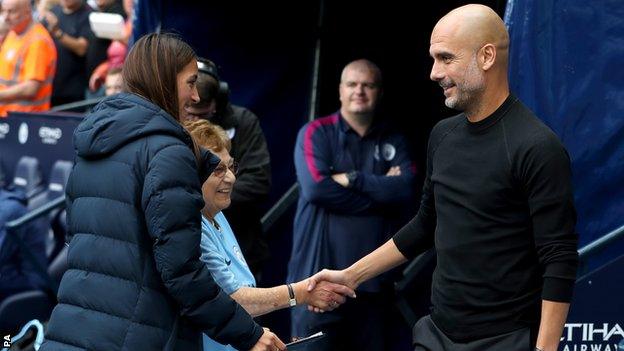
356	179
28	59
497	206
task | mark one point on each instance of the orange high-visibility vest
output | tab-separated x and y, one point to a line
29	56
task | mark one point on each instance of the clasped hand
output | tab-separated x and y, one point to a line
330	289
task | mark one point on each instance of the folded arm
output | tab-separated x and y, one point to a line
26	90
397	185
314	173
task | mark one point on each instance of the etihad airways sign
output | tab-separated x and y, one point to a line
591	337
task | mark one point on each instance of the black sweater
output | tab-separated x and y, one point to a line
497	204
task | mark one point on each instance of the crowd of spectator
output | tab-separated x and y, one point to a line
51	54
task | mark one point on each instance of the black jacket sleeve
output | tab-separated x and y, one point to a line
249	148
172	203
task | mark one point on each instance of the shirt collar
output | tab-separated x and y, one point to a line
346	128
489	121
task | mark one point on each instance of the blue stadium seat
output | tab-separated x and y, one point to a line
58	223
17	310
28	176
58	178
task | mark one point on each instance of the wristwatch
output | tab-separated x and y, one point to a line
351	177
292	301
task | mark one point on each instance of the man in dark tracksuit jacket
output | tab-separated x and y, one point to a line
135	281
356	177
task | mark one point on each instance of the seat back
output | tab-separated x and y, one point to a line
56	188
58	178
28	176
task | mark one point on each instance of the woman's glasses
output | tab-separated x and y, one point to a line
221	169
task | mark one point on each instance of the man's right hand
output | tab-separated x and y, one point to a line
326	296
269	342
339	277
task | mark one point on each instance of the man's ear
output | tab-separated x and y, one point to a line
487	56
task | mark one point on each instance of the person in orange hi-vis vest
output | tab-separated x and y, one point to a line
27	61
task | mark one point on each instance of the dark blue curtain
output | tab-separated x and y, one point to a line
566	64
267	71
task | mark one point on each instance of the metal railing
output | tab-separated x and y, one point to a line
78	106
281	206
600	243
589	250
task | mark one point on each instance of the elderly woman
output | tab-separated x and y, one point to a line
135	277
221	251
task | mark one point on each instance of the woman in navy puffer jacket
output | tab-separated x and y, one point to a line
135	281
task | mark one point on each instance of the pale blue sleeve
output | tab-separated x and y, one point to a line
217	265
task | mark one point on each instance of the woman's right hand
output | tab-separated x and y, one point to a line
269	342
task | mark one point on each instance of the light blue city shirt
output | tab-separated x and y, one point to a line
224	259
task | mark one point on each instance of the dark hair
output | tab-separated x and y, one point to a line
207	88
152	66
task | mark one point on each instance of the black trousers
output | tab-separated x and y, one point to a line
428	337
370	322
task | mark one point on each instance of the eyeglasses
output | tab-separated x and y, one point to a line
221	169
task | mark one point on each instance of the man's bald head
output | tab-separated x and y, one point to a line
474	26
362	65
359	90
16	4
16	13
470	49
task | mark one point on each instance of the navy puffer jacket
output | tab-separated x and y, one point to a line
135	281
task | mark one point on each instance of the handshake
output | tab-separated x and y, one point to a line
326	290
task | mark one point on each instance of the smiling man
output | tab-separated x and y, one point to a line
354	174
497	205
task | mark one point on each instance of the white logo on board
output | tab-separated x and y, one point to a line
4	130
50	135
22	133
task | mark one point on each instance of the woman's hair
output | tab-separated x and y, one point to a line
152	67
207	135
